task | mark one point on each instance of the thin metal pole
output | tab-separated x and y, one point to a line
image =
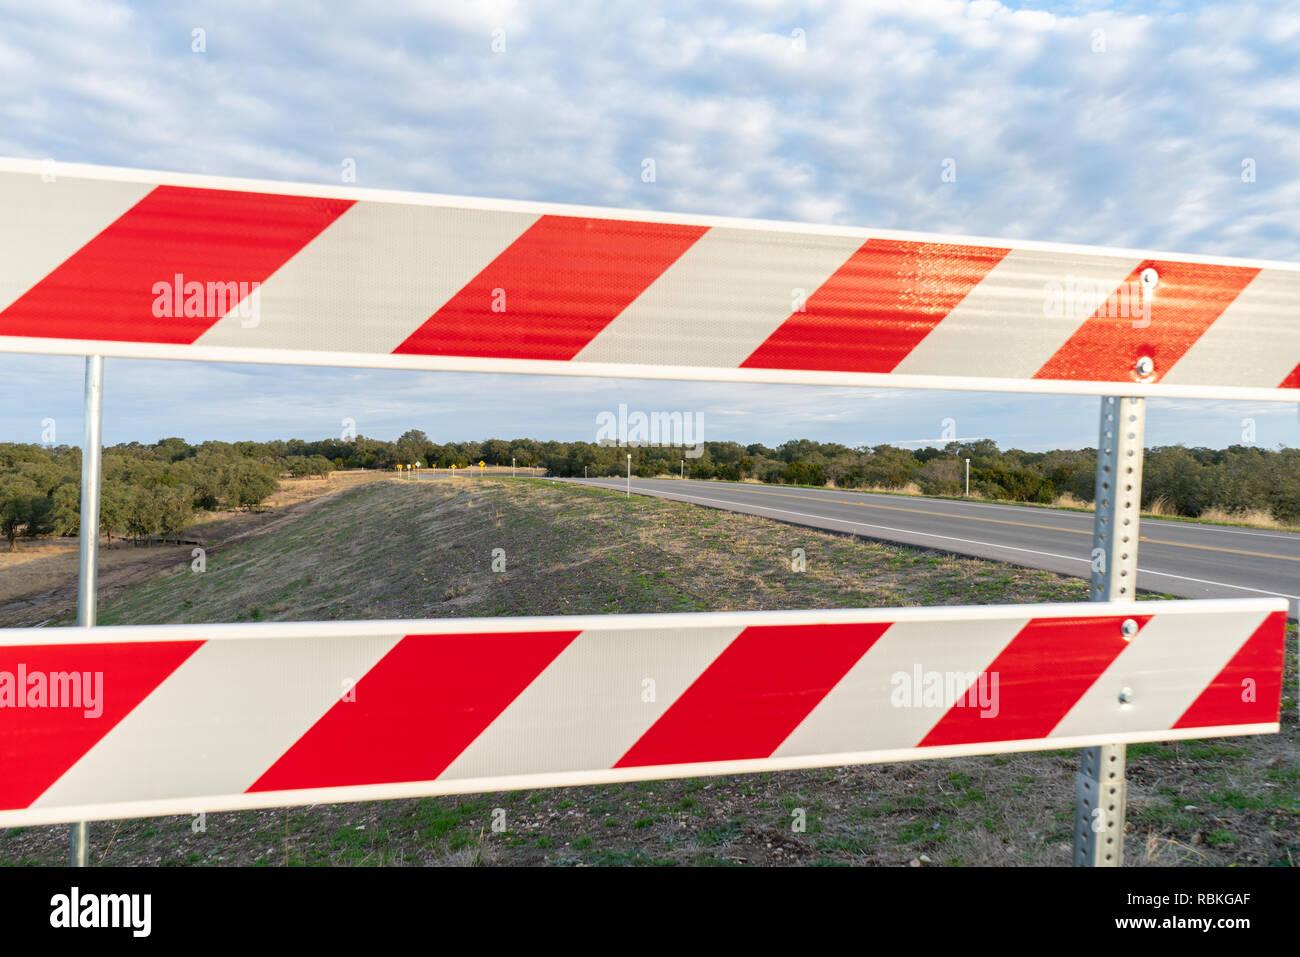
968	478
1100	791
629	475
88	572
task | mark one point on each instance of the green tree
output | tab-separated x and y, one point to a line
175	510
24	508
113	501
245	484
141	514
66	514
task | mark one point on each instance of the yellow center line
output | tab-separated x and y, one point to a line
1006	521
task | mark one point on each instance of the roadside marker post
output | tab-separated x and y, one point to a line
908	310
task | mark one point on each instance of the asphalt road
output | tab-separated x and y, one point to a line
1189	560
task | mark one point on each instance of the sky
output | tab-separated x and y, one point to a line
1118	124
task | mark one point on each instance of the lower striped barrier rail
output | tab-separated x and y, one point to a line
151	720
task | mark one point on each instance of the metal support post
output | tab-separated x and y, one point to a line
1100	790
88	572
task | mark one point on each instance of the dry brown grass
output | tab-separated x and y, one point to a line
1157	851
482	853
911	488
1260	517
1069	500
1161	507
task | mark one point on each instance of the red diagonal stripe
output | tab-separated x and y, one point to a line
876	307
1187	300
1040	675
106	289
418	708
39	744
1292	381
553	289
1249	688
754	695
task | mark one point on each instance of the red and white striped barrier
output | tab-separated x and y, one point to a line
134	263
178	719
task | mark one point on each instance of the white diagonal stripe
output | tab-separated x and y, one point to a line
1255	342
587	708
370	279
1006	327
42	224
718	303
219	721
859	714
1166	667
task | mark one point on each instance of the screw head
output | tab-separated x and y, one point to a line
1129	628
1148	277
1126	696
1145	366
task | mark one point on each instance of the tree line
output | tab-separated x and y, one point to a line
147	491
152	491
1183	481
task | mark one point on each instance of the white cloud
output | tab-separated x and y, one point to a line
1046	133
1140	145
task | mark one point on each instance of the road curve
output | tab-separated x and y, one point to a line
1189	560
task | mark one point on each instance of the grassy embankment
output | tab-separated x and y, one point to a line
413	550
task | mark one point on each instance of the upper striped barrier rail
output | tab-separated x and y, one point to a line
160	265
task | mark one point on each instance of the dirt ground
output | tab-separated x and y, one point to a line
423	549
38	581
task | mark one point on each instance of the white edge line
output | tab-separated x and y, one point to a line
108	634
942	538
612	370
374	792
863	497
37	167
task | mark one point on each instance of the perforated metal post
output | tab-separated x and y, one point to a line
1099	788
88	571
